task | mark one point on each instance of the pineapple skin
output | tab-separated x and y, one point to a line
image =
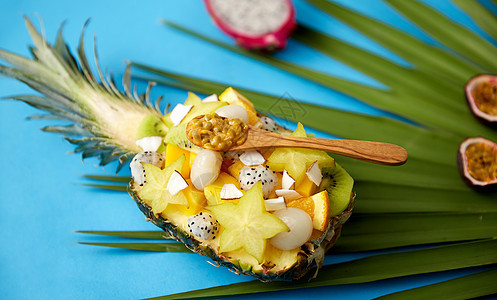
307	259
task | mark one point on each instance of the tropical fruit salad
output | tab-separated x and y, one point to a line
270	213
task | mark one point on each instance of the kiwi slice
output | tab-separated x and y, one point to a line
338	183
151	125
177	136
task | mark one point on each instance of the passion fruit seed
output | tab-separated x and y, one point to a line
482	162
217	133
485	95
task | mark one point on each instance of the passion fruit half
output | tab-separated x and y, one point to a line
481	94
477	160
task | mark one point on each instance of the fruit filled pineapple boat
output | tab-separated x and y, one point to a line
271	213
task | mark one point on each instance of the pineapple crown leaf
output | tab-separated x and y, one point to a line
53	117
71	130
83	62
57	105
101	115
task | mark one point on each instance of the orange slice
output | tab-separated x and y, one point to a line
317	206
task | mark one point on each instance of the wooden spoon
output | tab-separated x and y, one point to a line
374	152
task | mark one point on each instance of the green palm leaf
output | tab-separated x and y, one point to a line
424	56
481	15
405	104
155	247
469	281
117	188
123	179
429	92
395	76
447	183
466	287
454	36
149	235
420	203
432	105
372	268
391	198
381	231
121	182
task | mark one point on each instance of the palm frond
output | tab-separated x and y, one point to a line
423	202
404	103
466	287
109	187
123	179
456	37
427	57
149	235
428	91
392	198
154	247
368	269
382	231
481	15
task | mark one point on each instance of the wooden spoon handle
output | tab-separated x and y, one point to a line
374	152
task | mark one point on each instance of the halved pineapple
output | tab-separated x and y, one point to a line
109	122
246	253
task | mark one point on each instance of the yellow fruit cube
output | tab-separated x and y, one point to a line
212	192
235	168
279	176
306	187
173	152
231	96
196	202
192	158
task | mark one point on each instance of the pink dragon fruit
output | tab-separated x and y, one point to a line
255	24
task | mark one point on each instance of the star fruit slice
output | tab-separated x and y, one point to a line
296	160
246	224
155	192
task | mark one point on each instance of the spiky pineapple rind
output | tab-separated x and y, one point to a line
311	255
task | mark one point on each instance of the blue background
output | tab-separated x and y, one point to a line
41	198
